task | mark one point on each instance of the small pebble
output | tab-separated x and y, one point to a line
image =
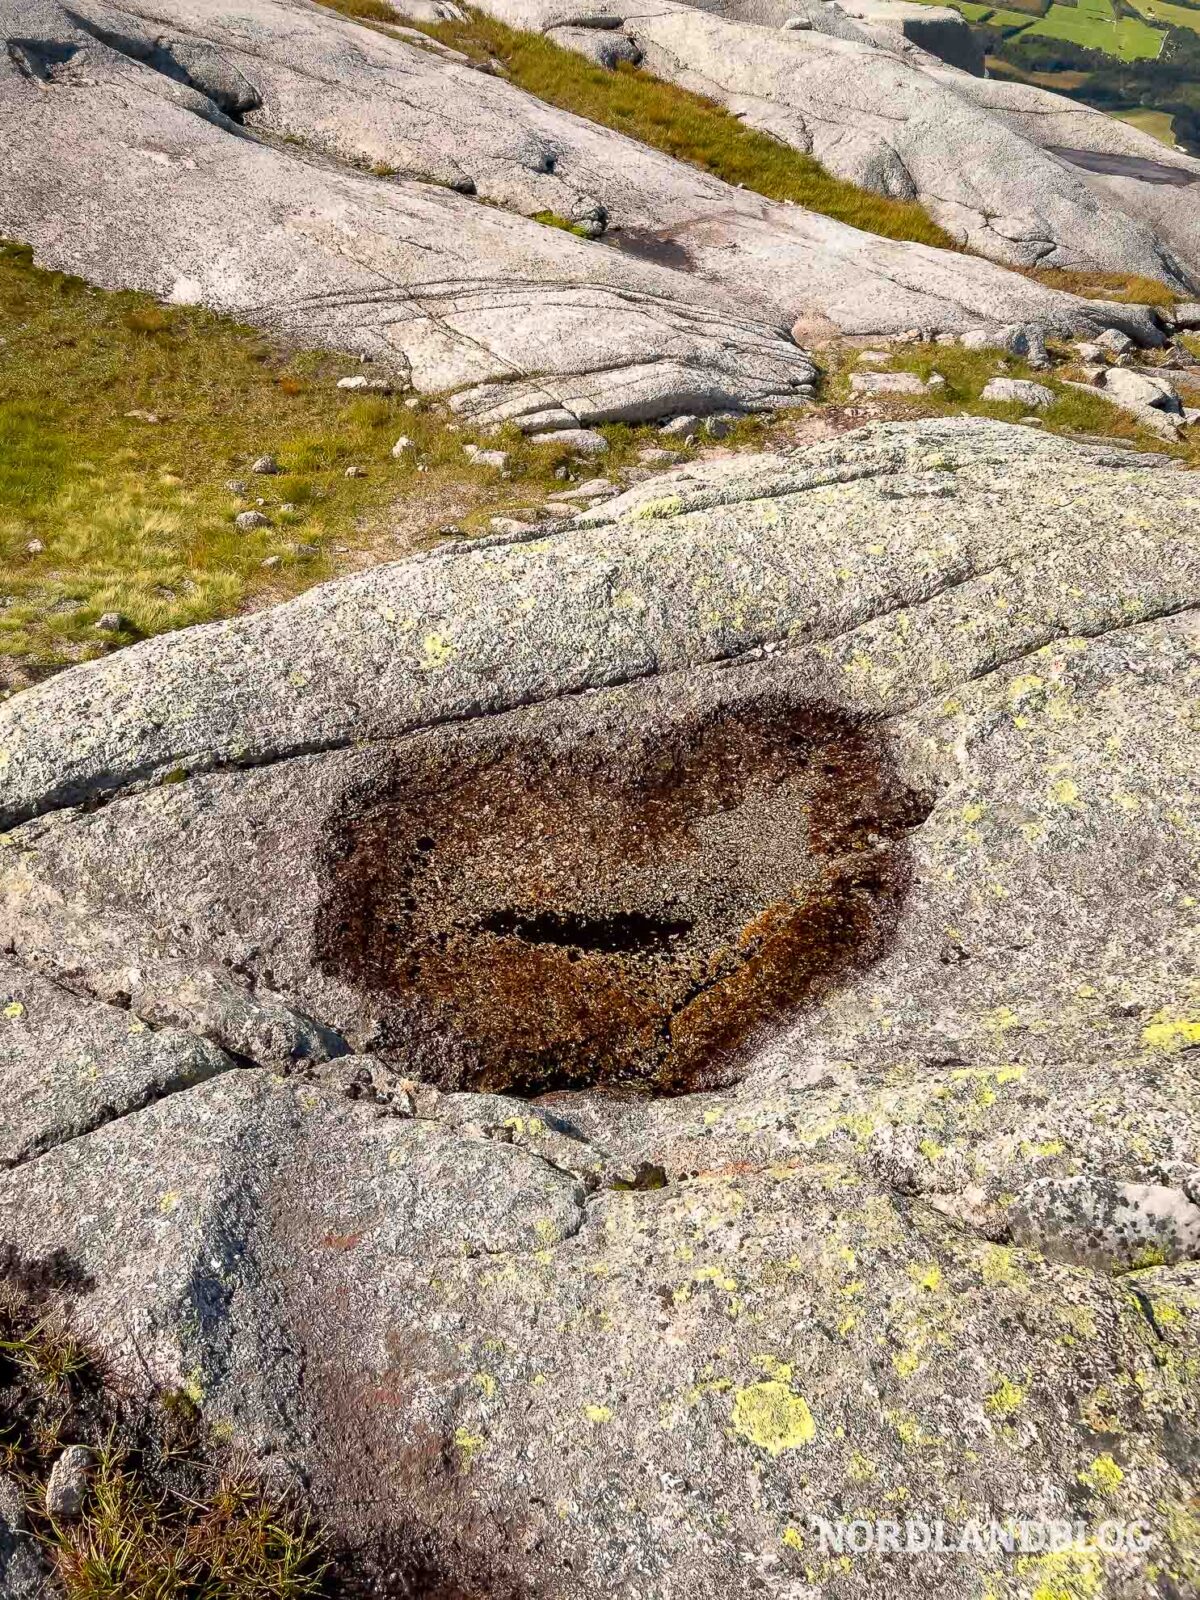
110	622
34	547
356	472
402	445
66	1488
247	520
267	465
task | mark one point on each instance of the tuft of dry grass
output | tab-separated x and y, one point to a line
136	1543
168	1513
1129	287
679	123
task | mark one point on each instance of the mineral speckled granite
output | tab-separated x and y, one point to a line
353	187
847	801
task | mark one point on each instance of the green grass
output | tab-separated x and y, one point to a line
135	516
681	124
1074	412
1168	15
1094	25
551	219
1156	123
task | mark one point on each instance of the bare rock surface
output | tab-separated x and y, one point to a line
901	125
353	169
759	918
21	1575
116	166
1124	165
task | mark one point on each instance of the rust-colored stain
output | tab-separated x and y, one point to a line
613	900
342	1241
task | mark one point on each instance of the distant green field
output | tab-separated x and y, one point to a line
1156	123
1089	23
1162	11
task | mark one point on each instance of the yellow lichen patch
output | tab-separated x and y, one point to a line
1062	1575
486	1384
468	1445
774	1368
792	1538
597	1414
13	1010
1170	1034
1005	1400
715	1275
906	1363
999	1268
926	1277
770	1416
651	510
436	650
1103	1477
1065	792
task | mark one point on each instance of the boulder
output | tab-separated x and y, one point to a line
1140	390
752	931
875	383
1019	391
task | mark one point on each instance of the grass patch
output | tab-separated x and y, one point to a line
1128	287
102	510
680	124
169	1513
1074	412
551	219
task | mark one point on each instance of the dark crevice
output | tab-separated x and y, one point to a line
625	932
194	63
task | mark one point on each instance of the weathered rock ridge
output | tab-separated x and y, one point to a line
848	800
1011	172
213	155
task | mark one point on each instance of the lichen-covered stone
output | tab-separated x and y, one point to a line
927	1243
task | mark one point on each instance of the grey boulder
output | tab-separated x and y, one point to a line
1034	396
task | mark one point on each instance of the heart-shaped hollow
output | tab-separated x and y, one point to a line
621	890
